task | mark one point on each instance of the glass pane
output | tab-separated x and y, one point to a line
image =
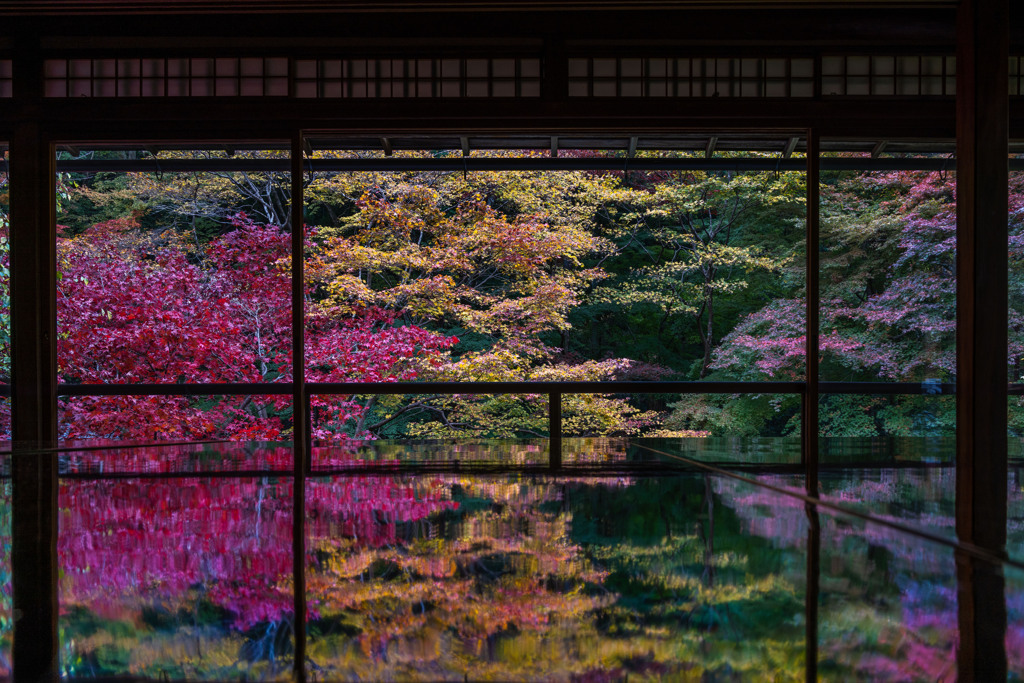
1015	370
556	276
719	428
344	456
176	579
5	296
865	429
888	608
447	577
887	283
176	276
95	457
154	419
431	416
922	496
1015	360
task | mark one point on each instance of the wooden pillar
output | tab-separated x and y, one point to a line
982	94
555	70
809	413
981	240
34	387
555	430
301	445
812	595
981	608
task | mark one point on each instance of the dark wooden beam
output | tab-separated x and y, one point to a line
607	27
981	400
809	412
34	389
812	594
982	186
555	82
555	430
981	617
155	119
300	406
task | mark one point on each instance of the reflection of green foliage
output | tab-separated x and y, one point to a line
86	623
650	541
596	579
110	656
654	578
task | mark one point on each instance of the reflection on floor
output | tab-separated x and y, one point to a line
624	565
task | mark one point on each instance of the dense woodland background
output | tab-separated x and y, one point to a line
502	276
509	276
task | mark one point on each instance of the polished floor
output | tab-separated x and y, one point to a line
475	561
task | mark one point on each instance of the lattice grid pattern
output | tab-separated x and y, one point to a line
690	77
882	75
503	77
6	78
447	77
167	77
1017	75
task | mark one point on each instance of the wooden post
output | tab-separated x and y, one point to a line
981	609
300	409
982	99
809	413
34	388
812	594
555	430
981	283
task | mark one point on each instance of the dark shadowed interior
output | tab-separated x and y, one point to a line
557	341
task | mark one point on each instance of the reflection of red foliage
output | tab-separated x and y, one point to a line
129	543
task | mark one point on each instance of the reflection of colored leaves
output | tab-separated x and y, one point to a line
502	589
166	556
888	607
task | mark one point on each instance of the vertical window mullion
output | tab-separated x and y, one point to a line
300	408
809	432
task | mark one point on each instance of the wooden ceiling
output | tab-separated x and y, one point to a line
612	25
50	7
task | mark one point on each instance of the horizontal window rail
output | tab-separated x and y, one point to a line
610	387
234	389
451	388
480	388
461	164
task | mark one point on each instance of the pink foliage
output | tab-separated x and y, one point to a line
902	331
